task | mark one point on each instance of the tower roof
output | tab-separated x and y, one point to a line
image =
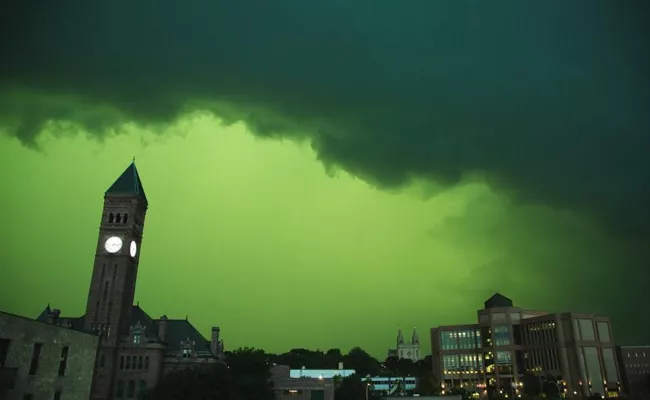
129	183
498	301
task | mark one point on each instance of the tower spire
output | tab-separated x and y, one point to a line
400	337
414	338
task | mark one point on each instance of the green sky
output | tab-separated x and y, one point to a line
254	235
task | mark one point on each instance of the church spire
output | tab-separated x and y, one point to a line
414	338
400	337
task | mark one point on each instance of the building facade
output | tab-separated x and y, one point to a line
307	386
576	351
135	349
634	362
39	361
407	350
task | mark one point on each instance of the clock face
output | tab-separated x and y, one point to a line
113	244
134	248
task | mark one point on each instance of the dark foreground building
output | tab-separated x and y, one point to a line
570	350
635	371
135	349
39	361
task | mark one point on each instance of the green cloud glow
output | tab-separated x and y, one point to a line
257	237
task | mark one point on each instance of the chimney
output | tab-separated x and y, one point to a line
214	342
53	316
162	328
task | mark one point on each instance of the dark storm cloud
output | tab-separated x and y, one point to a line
549	98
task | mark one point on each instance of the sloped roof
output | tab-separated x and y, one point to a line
151	329
181	329
498	301
76	323
129	183
177	329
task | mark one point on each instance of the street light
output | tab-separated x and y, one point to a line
367	385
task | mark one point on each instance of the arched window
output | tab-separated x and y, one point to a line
105	291
146	362
142	389
130	392
110	218
119	392
118	218
125	219
140	362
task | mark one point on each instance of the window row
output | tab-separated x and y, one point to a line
118	218
134	362
5	345
127	390
461	339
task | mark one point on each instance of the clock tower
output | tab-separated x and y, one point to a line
112	286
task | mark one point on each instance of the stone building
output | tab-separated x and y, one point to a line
408	350
39	361
135	349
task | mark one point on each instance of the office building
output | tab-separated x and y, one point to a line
573	351
634	362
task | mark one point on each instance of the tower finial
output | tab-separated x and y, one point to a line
133	160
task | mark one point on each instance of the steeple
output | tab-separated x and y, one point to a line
129	184
414	338
400	337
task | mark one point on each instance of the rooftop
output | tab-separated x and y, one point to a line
129	183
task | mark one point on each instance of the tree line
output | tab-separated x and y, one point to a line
246	374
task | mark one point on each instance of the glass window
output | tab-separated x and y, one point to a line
449	340
119	393
501	335
130	392
499	318
610	364
587	330
594	374
603	332
504	357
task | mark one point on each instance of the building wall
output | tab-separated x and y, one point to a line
23	333
137	366
300	388
634	362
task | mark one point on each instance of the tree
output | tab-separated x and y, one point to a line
353	388
427	386
205	382
250	373
332	358
392	364
246	376
406	367
361	362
